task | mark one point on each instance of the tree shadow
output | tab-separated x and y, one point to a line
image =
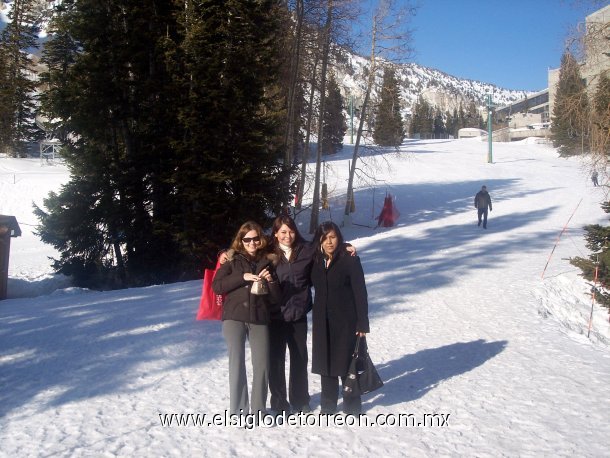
412	376
73	347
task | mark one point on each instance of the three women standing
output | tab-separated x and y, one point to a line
279	320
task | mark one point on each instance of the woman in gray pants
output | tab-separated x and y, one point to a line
246	315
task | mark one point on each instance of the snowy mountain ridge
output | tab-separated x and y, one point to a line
438	88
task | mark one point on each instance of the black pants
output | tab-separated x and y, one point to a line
330	396
483	212
294	335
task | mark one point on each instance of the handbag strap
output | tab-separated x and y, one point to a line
357	347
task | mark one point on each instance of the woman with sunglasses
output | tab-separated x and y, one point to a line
340	314
246	315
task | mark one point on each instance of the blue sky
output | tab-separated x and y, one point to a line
509	43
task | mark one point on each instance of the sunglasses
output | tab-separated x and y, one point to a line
251	239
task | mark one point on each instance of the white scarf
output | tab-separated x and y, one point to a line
286	250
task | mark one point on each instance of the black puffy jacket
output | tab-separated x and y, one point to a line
239	304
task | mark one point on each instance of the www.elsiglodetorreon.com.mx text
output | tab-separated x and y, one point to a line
249	421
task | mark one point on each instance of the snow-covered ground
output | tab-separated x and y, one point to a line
464	325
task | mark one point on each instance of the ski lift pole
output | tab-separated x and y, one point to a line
593	291
490	105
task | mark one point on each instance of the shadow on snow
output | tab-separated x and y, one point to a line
94	347
412	376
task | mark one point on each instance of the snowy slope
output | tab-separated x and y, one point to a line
462	326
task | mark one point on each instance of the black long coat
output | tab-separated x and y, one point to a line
340	309
239	304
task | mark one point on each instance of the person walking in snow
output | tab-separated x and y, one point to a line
482	202
246	315
594	178
340	314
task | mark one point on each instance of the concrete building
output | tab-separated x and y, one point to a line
531	117
596	52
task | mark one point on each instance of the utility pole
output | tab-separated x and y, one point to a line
490	105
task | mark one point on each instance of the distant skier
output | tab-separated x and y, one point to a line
482	201
594	178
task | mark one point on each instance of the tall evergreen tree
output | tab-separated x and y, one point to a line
600	131
335	125
569	128
5	105
423	118
229	160
117	111
452	122
389	129
439	124
473	118
17	93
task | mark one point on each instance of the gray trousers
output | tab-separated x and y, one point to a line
235	334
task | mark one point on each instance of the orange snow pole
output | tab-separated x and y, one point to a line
558	237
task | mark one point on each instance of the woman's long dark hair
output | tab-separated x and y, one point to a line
277	224
321	233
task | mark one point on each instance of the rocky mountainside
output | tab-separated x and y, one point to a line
437	87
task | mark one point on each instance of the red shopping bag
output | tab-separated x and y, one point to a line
210	304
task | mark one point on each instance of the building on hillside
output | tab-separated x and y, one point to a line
531	117
596	53
530	111
471	132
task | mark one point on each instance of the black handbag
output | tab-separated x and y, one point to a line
362	377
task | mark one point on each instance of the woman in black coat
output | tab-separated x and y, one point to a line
340	314
288	326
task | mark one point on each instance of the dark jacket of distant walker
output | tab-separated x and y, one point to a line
482	200
239	304
340	309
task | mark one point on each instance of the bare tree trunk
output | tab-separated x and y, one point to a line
315	210
305	158
295	58
367	96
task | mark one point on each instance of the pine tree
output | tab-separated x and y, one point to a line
600	131
58	55
389	130
439	124
17	88
228	166
423	118
598	241
114	102
334	124
473	118
569	129
5	106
